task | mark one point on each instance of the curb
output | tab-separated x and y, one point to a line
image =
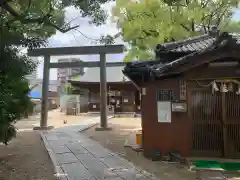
58	172
88	127
94	124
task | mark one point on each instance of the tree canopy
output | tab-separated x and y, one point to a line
29	23
145	23
43	18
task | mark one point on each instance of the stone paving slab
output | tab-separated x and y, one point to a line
60	149
66	158
52	137
98	151
76	148
76	171
60	142
115	162
93	164
76	157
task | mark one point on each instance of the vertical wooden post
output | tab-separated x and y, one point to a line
103	94
44	99
44	110
103	91
224	123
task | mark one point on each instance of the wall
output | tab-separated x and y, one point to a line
83	101
56	101
75	101
63	74
163	136
37	107
128	91
205	72
176	135
53	85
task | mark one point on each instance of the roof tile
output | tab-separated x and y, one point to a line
192	44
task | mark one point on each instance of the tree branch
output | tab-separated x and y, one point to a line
220	17
209	17
193	26
2	2
28	7
204	28
204	3
46	19
185	27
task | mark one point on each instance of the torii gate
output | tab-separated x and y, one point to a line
86	50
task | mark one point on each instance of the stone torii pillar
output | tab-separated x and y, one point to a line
44	98
103	94
87	50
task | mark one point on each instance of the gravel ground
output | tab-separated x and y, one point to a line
25	158
55	118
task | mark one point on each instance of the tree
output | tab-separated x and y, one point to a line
50	13
145	23
14	100
29	23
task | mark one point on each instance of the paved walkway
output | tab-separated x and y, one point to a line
77	157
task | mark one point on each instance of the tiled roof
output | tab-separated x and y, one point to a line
192	44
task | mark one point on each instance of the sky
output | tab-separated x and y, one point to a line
74	38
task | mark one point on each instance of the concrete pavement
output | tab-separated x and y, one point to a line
76	157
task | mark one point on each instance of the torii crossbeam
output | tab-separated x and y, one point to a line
86	50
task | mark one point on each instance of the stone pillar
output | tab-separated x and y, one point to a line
103	94
44	99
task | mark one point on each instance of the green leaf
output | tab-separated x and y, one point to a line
35	22
146	23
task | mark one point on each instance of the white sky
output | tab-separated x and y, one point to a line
74	38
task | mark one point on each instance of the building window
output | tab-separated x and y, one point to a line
183	89
94	97
165	95
164	98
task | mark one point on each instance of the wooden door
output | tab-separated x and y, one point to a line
206	115
128	102
118	107
232	124
215	123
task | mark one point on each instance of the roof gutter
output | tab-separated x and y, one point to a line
138	88
168	75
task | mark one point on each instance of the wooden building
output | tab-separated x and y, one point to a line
190	96
123	96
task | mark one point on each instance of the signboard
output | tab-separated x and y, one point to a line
165	95
164	111
179	107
